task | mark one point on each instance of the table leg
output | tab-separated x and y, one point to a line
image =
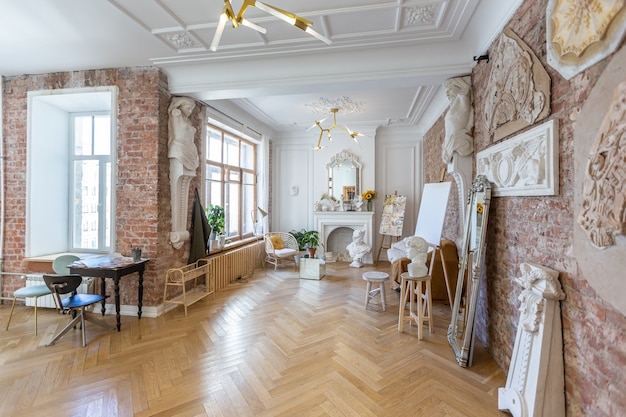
117	303
140	295
103	289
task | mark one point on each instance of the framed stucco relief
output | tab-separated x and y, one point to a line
599	186
525	165
519	88
581	33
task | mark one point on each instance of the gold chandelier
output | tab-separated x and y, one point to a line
334	125
228	14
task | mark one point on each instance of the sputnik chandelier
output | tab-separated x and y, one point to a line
228	14
334	106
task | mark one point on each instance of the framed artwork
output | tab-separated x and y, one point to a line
393	215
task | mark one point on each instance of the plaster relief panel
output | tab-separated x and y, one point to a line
525	165
581	33
602	213
599	188
519	88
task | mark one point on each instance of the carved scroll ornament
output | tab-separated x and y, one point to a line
602	213
519	88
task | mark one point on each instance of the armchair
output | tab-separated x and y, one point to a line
280	248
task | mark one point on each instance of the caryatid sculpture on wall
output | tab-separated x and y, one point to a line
459	121
183	156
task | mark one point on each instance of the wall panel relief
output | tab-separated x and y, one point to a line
519	88
525	165
599	189
581	33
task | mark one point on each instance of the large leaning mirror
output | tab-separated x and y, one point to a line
471	264
344	177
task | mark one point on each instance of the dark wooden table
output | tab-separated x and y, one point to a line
115	273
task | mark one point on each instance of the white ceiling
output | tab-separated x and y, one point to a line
389	55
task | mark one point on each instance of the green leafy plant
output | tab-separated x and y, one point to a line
306	238
299	235
215	217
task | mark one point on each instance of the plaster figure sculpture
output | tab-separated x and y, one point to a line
417	253
358	249
459	121
183	156
358	203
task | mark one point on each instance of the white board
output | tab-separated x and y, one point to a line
432	211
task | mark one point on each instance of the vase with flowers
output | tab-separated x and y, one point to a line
368	196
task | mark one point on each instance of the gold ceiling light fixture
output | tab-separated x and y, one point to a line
323	106
334	125
228	15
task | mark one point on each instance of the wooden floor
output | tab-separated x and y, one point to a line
269	345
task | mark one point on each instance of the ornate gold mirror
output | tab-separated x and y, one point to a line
471	264
344	176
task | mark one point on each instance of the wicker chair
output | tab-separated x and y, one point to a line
280	248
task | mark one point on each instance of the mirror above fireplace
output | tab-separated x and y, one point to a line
344	176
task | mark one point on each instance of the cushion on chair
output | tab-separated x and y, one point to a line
277	242
286	252
32	291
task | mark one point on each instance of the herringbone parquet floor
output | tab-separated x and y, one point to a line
270	345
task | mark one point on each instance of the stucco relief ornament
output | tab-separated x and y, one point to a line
519	88
581	33
602	213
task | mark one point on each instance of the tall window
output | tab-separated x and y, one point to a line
90	187
230	176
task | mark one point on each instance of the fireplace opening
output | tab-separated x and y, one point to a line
337	241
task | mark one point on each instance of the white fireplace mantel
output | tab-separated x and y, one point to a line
327	221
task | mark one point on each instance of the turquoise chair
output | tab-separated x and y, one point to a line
34	291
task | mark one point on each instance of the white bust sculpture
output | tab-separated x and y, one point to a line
418	250
459	120
358	248
181	144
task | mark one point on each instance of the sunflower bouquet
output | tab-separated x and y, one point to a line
368	195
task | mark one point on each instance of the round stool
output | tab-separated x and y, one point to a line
380	278
411	289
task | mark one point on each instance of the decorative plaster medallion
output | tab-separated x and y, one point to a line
527	164
181	40
581	33
345	104
519	88
421	15
599	190
602	214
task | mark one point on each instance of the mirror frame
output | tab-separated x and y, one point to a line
344	157
471	268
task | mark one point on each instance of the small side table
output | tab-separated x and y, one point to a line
380	278
411	290
312	268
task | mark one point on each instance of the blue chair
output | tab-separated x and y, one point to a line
34	291
75	303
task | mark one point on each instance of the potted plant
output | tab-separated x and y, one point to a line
311	240
215	217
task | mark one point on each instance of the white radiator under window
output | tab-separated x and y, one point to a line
47	301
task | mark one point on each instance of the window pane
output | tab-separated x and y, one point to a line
85	197
248	178
233	175
102	135
232	209
231	156
247	155
107	209
249	209
213	173
83	144
214	145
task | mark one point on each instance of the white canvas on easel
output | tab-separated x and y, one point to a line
432	211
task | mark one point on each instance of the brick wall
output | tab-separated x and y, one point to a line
540	229
142	211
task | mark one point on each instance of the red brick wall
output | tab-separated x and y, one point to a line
540	229
142	212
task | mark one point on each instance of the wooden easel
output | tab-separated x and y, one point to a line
385	245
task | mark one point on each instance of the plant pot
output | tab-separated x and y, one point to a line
369	205
311	252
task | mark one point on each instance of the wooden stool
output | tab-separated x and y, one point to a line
411	289
380	278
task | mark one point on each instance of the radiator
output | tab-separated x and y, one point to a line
47	301
226	267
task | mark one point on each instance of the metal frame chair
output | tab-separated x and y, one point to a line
34	291
76	303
